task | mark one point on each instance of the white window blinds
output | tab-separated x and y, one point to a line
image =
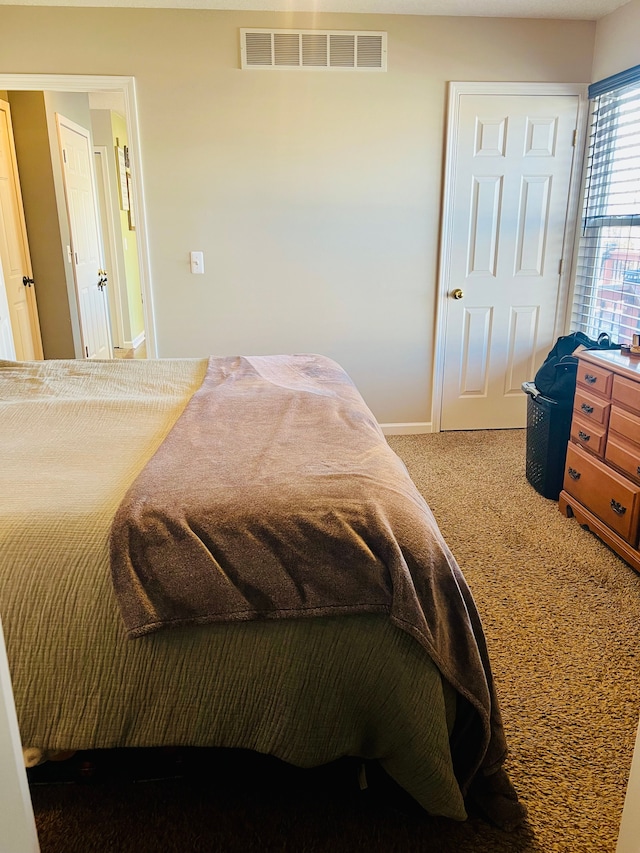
607	285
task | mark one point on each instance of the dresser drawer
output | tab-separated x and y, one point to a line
594	378
625	424
624	455
591	436
626	392
591	408
604	492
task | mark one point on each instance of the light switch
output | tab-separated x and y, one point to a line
197	262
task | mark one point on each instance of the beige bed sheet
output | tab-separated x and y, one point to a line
74	435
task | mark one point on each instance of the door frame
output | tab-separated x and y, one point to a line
456	91
17	821
126	86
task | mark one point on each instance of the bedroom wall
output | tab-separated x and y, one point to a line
315	197
617	46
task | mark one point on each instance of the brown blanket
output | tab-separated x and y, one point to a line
276	496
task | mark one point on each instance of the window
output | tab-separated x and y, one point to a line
607	286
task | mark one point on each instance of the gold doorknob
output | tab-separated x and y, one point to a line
457	293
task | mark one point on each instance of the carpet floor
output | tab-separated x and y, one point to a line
562	617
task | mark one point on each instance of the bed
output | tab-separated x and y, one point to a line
226	552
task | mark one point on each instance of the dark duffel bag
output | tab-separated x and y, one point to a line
556	378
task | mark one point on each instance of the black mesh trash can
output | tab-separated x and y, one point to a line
548	428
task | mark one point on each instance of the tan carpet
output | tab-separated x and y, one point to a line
562	618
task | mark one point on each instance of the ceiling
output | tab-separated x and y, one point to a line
589	10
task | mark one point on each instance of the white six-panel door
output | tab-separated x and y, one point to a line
77	170
14	251
510	171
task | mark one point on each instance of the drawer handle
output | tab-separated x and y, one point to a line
590	379
575	475
618	508
587	409
583	436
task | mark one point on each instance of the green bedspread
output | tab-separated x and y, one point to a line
75	435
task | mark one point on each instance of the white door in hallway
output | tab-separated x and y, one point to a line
86	251
509	185
14	251
109	231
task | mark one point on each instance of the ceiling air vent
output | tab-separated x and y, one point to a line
313	50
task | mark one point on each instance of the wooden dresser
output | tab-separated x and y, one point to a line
601	486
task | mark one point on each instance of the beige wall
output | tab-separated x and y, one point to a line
314	196
617	45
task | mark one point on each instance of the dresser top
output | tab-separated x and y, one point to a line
618	362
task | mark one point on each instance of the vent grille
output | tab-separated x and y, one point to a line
313	50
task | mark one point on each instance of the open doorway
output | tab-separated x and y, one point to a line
110	101
120	260
116	205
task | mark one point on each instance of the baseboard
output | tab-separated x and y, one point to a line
139	339
134	344
406	429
